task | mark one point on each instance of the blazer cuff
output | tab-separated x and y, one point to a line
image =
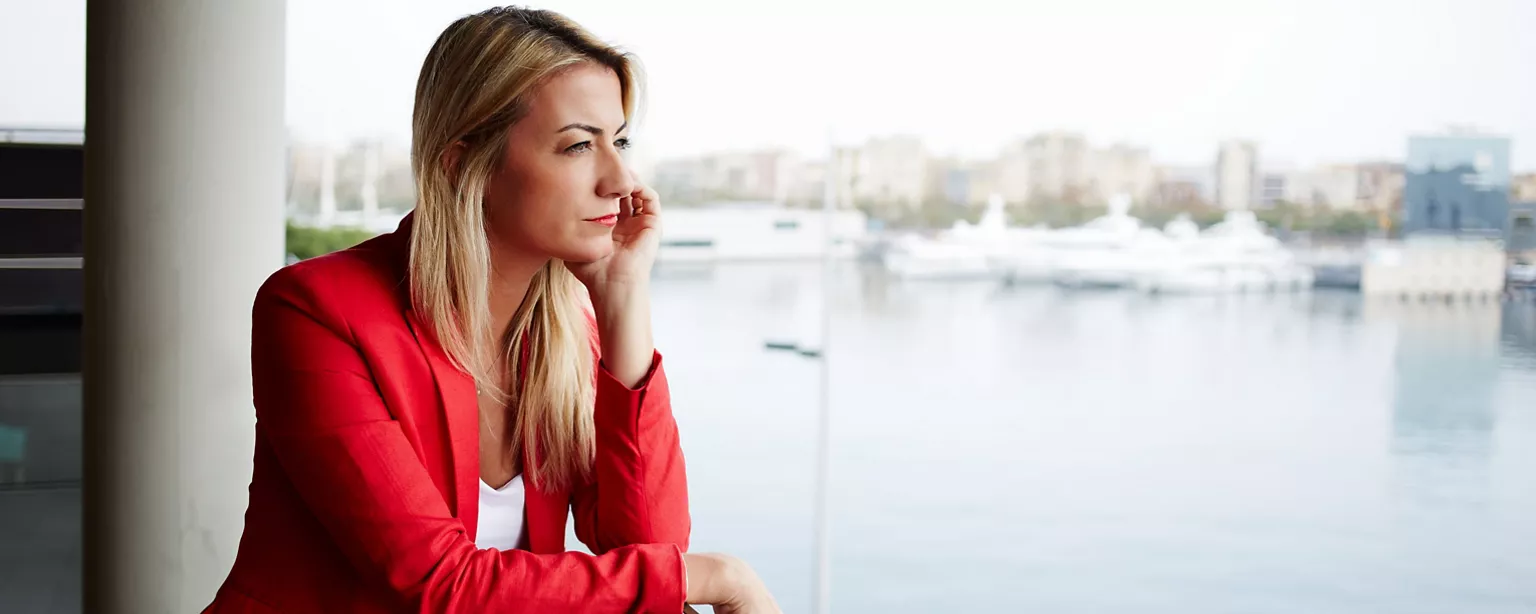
682	571
606	382
665	589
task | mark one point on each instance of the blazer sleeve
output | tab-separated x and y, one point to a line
638	493
318	406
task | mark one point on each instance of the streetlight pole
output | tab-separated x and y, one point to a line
822	580
823	586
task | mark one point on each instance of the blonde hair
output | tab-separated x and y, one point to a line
475	83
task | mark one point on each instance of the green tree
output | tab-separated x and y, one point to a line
307	242
1054	212
1349	224
939	215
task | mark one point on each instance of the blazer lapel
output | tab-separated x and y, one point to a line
456	390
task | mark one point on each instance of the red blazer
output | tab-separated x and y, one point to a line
365	489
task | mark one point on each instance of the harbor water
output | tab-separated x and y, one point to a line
1034	449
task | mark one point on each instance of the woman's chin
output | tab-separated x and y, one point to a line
582	254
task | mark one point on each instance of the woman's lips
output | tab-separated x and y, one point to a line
608	220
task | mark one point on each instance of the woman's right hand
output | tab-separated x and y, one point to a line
728	584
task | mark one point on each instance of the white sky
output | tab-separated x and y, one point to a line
1310	80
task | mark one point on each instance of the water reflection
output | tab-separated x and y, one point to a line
1518	327
1447	365
1026	448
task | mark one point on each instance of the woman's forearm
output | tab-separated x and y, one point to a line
623	316
726	582
708	579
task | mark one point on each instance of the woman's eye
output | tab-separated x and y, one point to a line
579	147
622	144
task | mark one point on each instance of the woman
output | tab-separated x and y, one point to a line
432	403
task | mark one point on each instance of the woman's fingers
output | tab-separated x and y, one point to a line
645	199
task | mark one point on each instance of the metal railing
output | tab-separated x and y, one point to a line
50	204
41	261
44	262
43	136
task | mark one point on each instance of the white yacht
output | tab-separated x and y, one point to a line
1028	260
985	250
1235	255
1107	252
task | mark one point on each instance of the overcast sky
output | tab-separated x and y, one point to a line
1310	80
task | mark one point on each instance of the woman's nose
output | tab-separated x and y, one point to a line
618	180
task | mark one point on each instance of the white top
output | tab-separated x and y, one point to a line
501	516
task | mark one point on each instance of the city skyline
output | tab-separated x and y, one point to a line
1265	163
1055	167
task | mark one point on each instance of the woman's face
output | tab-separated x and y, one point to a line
558	190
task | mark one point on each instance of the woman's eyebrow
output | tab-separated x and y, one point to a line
590	128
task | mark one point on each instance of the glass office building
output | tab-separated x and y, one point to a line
1457	183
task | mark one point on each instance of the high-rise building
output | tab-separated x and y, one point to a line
892	171
1367	186
767	175
808	180
367	177
1457	181
1183	186
1123	170
1381	186
1335	187
1007	176
949	181
1059	167
1237	175
1272	187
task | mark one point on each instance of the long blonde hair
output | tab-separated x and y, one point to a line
475	83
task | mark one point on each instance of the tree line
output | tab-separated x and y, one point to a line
306	242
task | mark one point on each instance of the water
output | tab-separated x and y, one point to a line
1037	450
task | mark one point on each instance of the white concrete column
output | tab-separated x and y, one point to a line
183	221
